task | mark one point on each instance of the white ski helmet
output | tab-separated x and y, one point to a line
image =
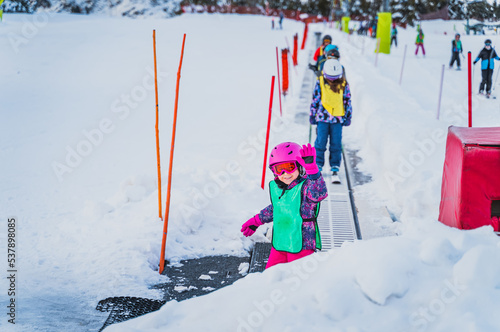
332	70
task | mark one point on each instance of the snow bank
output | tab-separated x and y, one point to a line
375	285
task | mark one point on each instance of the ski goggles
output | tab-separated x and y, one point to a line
332	78
287	167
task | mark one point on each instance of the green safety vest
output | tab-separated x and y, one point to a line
287	221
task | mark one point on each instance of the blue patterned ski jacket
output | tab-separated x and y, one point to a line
320	114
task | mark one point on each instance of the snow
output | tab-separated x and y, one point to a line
205	277
79	173
243	268
182	289
378	285
396	291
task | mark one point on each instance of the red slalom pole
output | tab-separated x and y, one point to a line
306	28
167	208
469	61
279	87
284	63
295	47
267	134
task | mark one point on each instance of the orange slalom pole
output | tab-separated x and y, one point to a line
267	134
167	208
157	131
279	87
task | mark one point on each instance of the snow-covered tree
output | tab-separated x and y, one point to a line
360	8
480	10
456	9
496	10
161	8
404	11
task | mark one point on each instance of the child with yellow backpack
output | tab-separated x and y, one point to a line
331	110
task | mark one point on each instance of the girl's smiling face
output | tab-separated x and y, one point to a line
288	178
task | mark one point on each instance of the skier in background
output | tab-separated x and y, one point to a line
420	42
486	56
296	192
319	55
361	29
330	52
394	35
320	51
456	50
331	110
282	16
374	27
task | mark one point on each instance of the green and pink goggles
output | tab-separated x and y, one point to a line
287	167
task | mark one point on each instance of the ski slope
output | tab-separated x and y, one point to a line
79	173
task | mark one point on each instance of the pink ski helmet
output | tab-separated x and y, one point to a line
283	152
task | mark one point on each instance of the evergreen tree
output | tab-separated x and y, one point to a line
318	7
375	7
22	6
360	8
283	4
435	5
496	10
480	10
404	11
456	9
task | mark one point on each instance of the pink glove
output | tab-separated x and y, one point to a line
308	159
251	225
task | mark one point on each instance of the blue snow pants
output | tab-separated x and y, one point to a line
334	132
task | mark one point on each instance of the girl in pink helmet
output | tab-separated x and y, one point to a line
296	192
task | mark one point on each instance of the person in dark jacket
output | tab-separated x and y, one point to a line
319	55
330	52
394	35
486	56
456	50
320	52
